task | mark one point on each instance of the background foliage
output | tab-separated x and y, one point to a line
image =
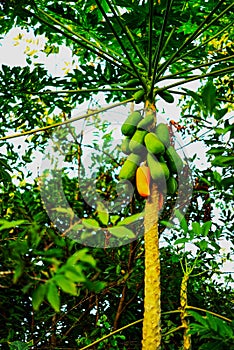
54	292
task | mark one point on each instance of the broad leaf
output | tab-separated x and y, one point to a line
65	284
121	232
129	220
53	296
182	221
102	213
38	296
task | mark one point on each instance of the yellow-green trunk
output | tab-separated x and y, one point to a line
152	305
183	314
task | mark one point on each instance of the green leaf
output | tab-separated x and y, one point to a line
196	228
19	345
18	271
4	164
209	96
96	286
168	224
216	150
198	317
206	228
181	240
194	95
182	220
38	296
65	284
202	244
68	211
103	214
130	219
82	256
220	113
90	223
75	274
114	218
121	232
10	224
53	296
223	161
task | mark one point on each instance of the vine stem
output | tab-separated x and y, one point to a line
87	115
76	91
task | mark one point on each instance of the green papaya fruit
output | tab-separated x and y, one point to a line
146	122
153	144
136	144
139	96
158	171
171	185
133	82
130	166
129	126
162	133
174	161
125	145
166	96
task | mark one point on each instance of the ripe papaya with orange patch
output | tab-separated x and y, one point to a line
143	180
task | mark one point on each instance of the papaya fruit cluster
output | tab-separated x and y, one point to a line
150	154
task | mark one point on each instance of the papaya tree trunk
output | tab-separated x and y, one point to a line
183	314
152	304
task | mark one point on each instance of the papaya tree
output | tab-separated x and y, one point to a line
136	54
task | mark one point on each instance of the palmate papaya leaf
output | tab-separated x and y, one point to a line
198	318
218	333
